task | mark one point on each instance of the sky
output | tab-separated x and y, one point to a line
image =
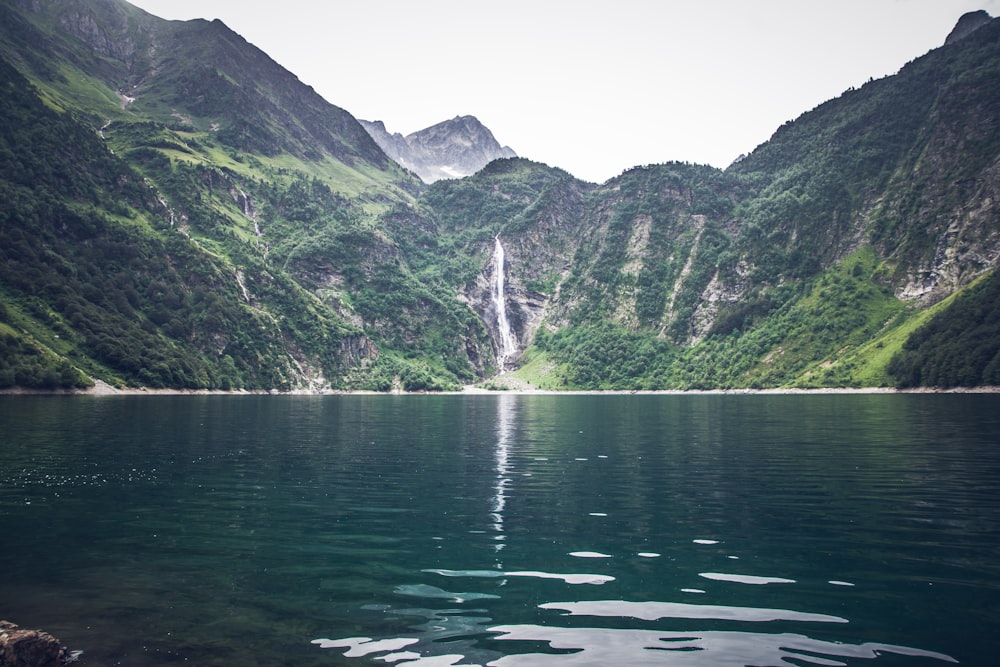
594	87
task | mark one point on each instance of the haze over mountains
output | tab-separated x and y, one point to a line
181	211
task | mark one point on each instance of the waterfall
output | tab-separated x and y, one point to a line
250	212
507	341
170	211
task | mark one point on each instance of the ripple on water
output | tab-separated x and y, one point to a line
745	578
595	579
456	637
654	611
605	646
358	647
616	646
433	592
573	579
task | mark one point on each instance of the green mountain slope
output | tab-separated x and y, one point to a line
808	263
180	211
213	189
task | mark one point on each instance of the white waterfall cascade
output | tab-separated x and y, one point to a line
170	211
507	343
250	212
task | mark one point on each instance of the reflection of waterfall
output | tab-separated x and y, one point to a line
507	342
505	426
462	622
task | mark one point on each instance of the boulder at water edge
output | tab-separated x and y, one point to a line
30	648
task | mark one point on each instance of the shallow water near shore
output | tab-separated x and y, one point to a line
525	530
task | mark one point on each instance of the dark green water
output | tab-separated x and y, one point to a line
531	531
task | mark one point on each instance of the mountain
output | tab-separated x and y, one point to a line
180	211
812	262
967	24
115	63
451	149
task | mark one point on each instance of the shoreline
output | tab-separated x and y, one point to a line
103	389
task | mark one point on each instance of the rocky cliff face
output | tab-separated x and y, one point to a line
452	149
967	25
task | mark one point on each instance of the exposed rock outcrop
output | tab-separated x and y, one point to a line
31	648
357	349
967	24
451	149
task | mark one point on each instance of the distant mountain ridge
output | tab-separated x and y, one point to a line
450	149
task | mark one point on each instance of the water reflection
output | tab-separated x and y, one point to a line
284	519
464	636
506	415
588	646
474	631
654	611
574	578
753	580
602	646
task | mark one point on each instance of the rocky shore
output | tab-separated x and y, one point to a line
31	648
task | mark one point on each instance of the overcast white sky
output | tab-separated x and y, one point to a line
594	87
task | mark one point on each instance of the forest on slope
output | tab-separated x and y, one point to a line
179	211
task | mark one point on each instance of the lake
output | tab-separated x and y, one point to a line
509	530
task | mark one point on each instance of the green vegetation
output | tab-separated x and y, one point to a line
173	287
817	335
959	346
23	364
607	356
208	222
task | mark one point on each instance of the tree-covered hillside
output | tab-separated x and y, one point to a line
808	263
180	211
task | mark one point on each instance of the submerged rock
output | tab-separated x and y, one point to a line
31	648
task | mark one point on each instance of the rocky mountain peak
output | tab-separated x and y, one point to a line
450	149
967	24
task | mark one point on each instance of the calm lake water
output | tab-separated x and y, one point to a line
524	531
